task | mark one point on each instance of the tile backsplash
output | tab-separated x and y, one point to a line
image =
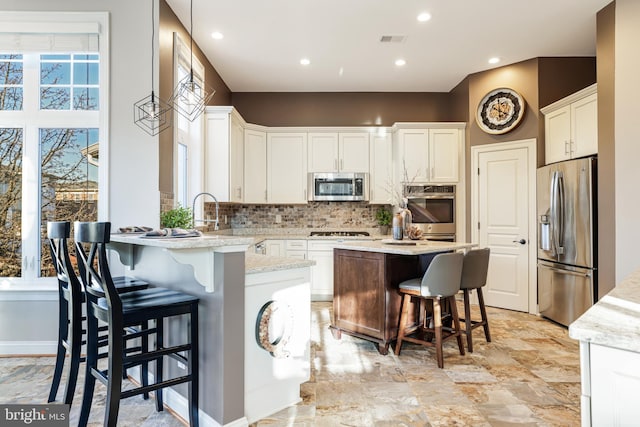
316	215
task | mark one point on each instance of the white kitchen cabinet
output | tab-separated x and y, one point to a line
571	126
224	153
275	247
443	155
321	251
255	166
380	174
614	385
338	152
287	167
428	155
296	248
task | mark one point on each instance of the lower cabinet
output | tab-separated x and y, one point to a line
614	385
322	273
275	247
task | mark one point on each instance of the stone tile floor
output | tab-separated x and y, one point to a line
528	375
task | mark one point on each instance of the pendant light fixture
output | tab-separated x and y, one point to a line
190	97
151	113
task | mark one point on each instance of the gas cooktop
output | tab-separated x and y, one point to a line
339	233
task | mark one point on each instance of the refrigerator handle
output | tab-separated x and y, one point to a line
560	239
557	198
569	272
553	213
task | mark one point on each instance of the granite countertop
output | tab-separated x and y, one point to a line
614	321
256	263
405	247
206	241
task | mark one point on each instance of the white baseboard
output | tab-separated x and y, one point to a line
36	348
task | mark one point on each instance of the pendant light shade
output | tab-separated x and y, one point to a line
190	97
151	113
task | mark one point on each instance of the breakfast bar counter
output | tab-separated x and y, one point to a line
366	302
244	375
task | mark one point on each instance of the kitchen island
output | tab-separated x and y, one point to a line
238	371
366	302
609	335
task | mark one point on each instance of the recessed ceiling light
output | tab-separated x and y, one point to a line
217	35
424	17
494	60
400	62
305	61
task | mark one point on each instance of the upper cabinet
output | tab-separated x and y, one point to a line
428	155
571	126
338	152
255	166
380	175
224	151
286	167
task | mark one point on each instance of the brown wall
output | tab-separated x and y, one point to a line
169	24
560	77
605	50
341	108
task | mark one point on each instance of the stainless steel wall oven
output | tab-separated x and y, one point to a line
433	208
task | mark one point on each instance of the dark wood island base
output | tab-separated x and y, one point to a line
366	302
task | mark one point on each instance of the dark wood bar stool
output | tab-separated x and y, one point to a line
104	303
70	300
474	276
441	282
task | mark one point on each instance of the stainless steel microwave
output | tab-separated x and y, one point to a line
338	186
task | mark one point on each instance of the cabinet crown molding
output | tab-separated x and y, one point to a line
570	99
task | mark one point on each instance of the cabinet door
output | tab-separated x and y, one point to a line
236	160
413	155
584	126
322	275
380	179
255	167
323	152
275	247
353	152
557	131
443	155
287	168
614	386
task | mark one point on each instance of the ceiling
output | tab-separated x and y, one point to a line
265	40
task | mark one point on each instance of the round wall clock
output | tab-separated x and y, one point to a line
500	111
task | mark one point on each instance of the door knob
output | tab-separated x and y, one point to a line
521	241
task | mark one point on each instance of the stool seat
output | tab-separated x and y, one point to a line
141	302
440	283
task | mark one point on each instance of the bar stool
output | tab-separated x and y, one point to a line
441	282
104	303
474	276
70	299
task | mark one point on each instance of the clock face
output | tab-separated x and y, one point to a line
500	111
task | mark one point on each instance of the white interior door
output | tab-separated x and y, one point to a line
503	198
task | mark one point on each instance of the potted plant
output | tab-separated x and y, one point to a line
383	217
177	217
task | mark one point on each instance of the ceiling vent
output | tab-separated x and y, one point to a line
392	39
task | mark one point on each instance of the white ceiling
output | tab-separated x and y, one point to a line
264	40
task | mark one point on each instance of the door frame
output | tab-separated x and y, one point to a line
531	146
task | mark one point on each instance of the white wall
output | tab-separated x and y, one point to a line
627	137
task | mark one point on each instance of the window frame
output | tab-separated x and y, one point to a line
32	121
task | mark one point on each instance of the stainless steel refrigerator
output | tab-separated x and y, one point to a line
567	242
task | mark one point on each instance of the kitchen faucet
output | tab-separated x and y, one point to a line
216	226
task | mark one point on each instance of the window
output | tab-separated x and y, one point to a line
52	110
188	153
